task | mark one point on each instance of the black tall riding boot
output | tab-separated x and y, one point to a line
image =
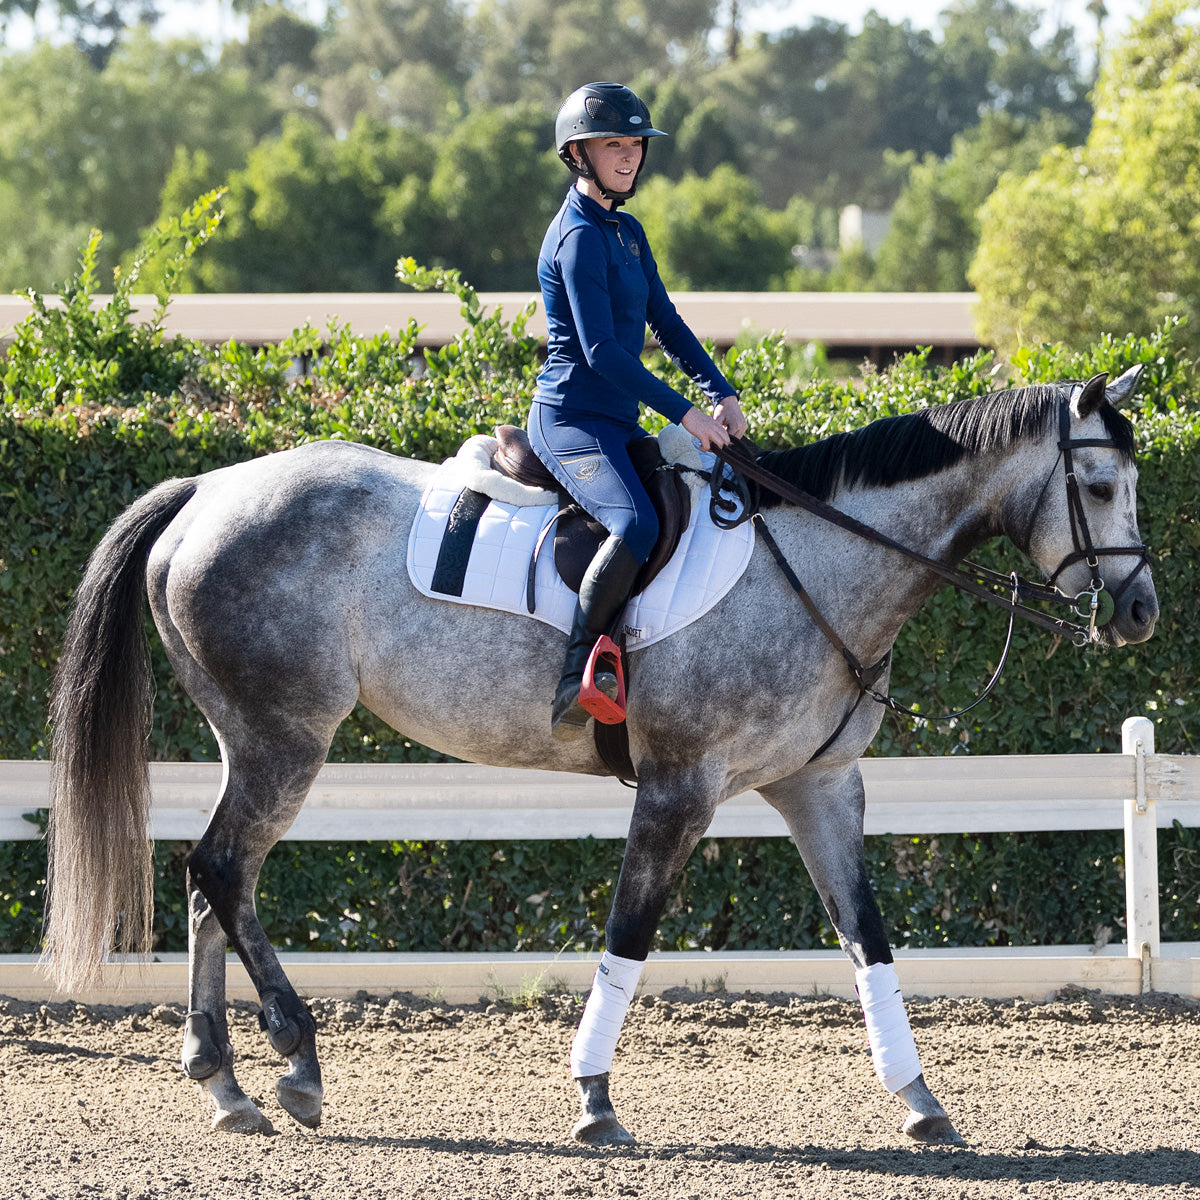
602	595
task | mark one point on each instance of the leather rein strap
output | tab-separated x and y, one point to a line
978	581
867	677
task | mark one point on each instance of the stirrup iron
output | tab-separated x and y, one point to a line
605	657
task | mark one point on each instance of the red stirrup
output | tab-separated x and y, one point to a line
606	710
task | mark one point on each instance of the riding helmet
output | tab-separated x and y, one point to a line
599	110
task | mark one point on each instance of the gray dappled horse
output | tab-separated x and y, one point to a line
280	590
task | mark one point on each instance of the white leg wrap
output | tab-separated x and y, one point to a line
612	989
893	1050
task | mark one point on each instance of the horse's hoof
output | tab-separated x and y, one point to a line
601	1131
932	1130
299	1100
598	1126
926	1121
247	1118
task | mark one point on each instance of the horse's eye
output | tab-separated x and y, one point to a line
1101	491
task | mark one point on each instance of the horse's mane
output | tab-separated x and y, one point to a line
896	450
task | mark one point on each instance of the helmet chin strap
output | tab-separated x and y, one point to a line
587	171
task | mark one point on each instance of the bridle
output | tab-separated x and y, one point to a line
1095	603
1081	535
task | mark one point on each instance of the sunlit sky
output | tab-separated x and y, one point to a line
212	19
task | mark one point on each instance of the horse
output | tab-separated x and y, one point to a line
278	587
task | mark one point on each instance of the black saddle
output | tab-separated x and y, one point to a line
577	536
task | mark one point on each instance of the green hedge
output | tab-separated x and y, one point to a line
94	411
737	894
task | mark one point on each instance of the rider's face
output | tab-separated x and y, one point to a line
615	161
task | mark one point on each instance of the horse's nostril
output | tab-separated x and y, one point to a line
1144	615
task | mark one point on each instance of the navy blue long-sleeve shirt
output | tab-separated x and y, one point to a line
600	289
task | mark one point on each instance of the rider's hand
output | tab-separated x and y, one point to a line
727	421
706	429
729	413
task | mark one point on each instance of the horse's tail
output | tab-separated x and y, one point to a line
101	866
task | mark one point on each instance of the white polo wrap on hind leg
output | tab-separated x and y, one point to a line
893	1051
612	989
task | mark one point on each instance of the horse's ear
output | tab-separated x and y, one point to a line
1121	389
1088	397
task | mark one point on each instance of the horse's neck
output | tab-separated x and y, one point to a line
943	516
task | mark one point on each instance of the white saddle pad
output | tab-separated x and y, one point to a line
707	563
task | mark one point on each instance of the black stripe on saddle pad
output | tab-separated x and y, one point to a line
455	551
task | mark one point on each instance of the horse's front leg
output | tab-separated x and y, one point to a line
824	812
670	816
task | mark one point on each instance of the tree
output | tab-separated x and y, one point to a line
813	113
1102	239
95	26
309	212
538	51
402	61
81	147
496	185
993	60
785	106
715	233
934	229
277	40
816	111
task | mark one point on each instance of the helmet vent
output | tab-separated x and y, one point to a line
600	110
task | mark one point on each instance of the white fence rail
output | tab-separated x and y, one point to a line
1137	791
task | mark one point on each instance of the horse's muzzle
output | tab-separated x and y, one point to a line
1135	616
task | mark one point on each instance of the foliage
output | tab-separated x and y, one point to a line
1101	238
716	234
423	128
88	353
82	147
817	110
308	212
75	450
496	185
95	26
735	894
934	228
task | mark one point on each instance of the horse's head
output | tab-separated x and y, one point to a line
1084	531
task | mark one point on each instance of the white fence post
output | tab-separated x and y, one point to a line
1141	851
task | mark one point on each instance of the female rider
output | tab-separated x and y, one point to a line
600	289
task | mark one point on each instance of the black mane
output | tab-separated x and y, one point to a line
895	450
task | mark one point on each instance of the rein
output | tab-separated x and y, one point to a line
977	580
866	677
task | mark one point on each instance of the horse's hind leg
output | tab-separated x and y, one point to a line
207	1047
825	816
267	779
